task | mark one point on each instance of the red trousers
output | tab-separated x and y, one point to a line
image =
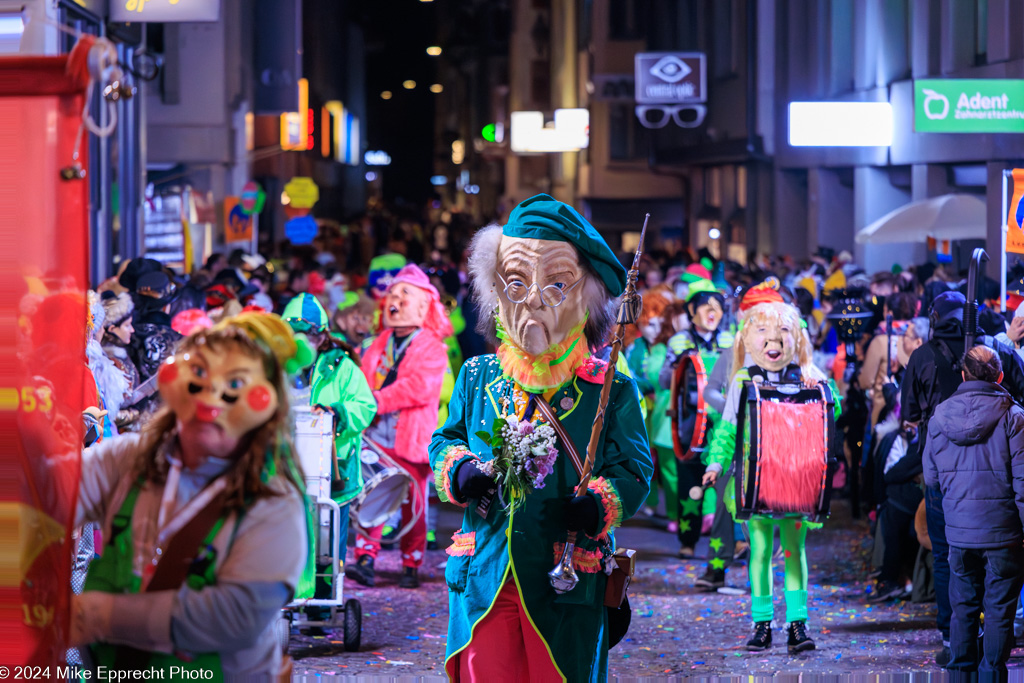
414	543
505	646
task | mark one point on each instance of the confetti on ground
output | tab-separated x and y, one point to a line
677	630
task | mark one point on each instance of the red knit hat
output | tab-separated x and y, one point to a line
760	294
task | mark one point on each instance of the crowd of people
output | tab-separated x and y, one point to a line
418	340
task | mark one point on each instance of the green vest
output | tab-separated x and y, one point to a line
113	572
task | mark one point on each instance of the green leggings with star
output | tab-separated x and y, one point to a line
793	533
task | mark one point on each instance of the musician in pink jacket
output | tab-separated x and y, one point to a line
405	366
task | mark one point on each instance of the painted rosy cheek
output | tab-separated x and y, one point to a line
259	398
168	373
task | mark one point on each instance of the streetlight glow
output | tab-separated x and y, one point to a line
436	88
386	95
409	85
433	51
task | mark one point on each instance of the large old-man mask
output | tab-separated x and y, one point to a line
540	287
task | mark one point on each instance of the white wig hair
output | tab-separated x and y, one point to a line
483	266
112	383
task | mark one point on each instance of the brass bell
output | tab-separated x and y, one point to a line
563	577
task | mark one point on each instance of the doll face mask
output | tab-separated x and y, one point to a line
770	339
542	271
405	306
708	315
219	394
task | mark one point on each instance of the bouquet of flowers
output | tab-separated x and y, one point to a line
524	454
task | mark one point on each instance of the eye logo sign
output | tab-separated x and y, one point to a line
930	96
671	69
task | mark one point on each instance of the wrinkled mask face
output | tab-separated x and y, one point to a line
708	316
218	395
539	268
405	306
770	339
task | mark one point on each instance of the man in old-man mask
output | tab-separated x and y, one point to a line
547	285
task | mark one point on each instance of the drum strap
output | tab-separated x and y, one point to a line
545	409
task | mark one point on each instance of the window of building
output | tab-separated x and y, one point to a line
540	83
627	139
981	32
627	19
725	23
840	46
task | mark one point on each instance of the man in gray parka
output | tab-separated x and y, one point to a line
974	454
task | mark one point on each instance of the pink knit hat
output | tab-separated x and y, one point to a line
437	317
413	275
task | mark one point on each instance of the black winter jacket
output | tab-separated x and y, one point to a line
975	456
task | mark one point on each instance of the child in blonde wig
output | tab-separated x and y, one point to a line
773	337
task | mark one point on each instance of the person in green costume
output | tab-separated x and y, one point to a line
775	340
336	385
704	307
645	354
203	512
546	284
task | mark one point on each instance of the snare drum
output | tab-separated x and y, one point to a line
783	451
688	412
385	486
314	449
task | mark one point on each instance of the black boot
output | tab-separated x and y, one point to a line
799	641
762	638
712	580
362	571
410	578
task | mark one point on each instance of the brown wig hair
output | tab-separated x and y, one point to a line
262	455
669	314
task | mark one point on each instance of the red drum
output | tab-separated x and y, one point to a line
688	411
784	438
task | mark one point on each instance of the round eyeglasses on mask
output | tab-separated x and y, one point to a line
552	296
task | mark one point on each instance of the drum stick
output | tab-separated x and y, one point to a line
697	492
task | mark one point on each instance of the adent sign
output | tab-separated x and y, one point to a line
968	106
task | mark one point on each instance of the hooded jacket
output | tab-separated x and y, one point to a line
975	456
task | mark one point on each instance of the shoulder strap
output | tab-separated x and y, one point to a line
182	549
545	409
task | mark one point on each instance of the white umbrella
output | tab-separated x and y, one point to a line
949	217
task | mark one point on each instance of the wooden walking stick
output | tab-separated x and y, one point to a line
563	577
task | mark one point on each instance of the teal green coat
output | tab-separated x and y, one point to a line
338	383
486	552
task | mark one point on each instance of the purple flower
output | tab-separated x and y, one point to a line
525	428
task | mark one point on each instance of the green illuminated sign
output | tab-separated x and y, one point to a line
488	133
968	106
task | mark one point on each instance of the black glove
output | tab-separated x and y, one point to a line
581	514
470	482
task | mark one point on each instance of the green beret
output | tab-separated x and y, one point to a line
545	218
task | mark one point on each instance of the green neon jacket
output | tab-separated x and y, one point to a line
339	384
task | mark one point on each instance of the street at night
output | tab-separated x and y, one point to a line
677	631
511	340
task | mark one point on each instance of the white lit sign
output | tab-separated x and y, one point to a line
376	157
570	131
840	124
